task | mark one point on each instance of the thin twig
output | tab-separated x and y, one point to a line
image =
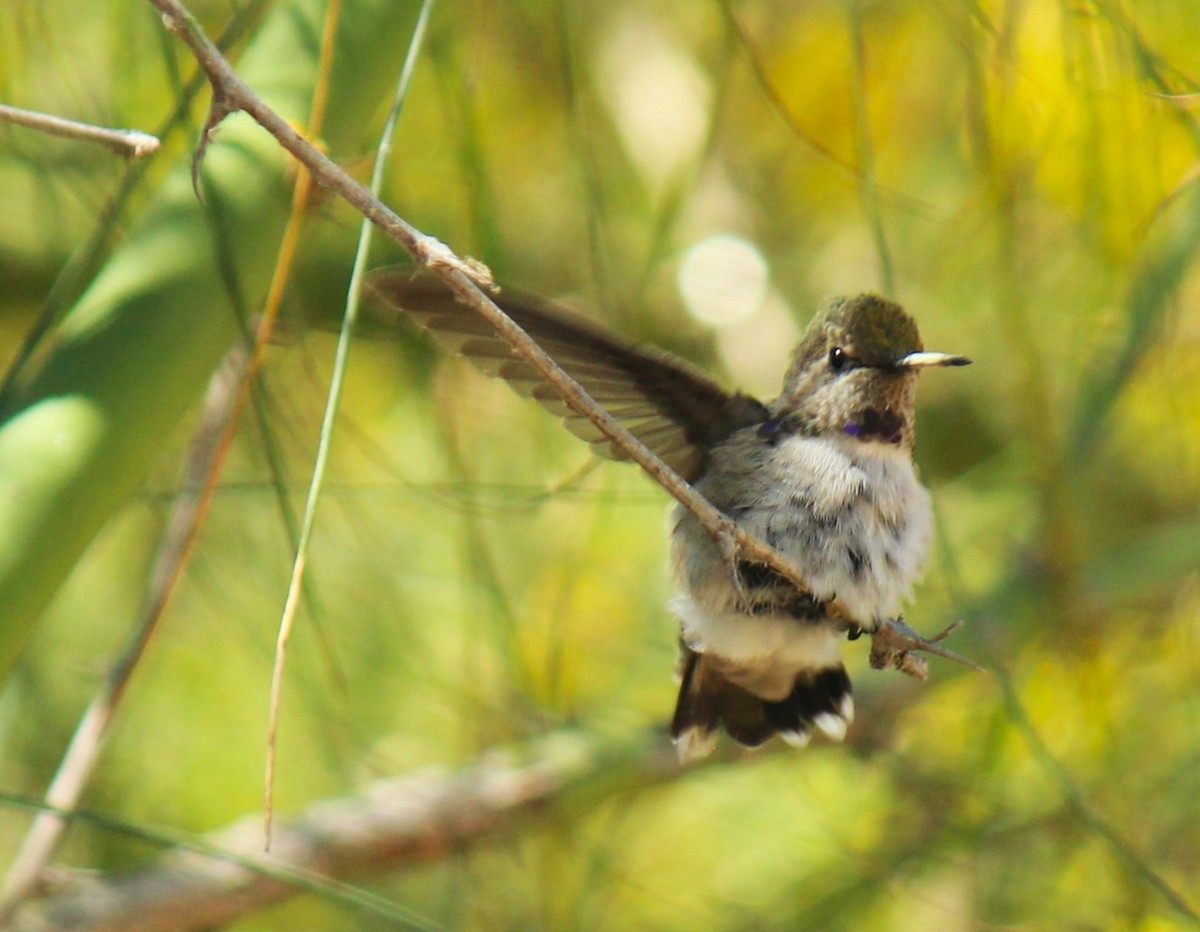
464	277
131	143
87	258
302	194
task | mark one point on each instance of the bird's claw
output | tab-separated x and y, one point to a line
893	645
730	551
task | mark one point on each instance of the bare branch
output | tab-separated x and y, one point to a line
396	823
131	143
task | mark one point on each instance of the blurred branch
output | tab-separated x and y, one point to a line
1154	292
131	143
783	108
1154	68
465	276
868	182
226	399
776	99
428	816
187	516
130	335
1121	849
87	258
395	823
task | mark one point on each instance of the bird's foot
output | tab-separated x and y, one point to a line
731	551
750	571
894	643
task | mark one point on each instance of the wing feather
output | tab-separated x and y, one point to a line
673	408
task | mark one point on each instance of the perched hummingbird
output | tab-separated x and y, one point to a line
823	474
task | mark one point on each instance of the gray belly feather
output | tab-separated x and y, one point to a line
851	516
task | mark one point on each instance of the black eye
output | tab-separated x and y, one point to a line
838	359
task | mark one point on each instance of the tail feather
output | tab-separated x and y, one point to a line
820	698
709	700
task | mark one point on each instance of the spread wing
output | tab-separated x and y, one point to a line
675	410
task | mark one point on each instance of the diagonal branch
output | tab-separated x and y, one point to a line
465	278
187	517
394	824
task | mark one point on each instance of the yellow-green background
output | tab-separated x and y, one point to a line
1020	174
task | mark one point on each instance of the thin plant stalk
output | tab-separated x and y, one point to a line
333	401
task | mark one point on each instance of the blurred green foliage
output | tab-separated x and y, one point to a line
1020	174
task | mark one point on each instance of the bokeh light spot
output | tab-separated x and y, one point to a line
723	279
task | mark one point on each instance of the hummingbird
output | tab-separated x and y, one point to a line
824	474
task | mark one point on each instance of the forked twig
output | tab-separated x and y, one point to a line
892	647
